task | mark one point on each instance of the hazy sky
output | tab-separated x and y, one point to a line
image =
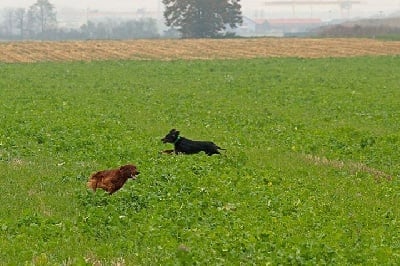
249	7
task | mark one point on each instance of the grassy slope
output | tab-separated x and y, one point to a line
264	200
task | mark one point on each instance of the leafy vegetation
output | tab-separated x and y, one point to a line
203	19
310	174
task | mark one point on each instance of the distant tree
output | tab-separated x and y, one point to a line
42	17
202	18
20	16
8	21
13	24
104	29
131	29
135	29
89	29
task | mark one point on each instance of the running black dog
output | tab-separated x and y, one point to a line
187	146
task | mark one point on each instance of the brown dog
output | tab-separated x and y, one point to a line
112	180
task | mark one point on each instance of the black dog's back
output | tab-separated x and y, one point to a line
187	146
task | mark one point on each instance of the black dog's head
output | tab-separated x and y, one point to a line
171	137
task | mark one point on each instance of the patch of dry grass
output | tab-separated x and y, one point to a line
24	52
353	167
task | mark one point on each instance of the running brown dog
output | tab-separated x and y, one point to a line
112	180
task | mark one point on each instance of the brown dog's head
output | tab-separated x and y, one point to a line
171	137
129	170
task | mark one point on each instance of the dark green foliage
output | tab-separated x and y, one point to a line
202	19
309	143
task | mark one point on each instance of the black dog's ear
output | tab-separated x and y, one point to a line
172	130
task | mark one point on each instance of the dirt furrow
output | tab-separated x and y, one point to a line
24	52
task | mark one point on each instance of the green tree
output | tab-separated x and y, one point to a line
202	18
42	17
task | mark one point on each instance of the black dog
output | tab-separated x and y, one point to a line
187	146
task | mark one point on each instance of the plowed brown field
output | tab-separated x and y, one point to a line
193	49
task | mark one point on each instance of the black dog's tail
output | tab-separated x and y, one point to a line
219	148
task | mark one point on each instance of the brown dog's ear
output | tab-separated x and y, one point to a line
124	168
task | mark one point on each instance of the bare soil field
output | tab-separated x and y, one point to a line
35	51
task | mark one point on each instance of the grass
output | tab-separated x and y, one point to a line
310	174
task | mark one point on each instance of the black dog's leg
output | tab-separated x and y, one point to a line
168	151
211	151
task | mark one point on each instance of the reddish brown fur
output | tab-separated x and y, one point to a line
112	180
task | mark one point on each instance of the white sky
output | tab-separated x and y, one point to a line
251	8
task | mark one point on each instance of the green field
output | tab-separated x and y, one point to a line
309	175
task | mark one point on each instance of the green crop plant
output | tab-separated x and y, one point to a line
309	175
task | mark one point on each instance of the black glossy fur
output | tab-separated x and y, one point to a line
187	146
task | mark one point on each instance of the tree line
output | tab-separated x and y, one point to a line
367	31
39	22
185	19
